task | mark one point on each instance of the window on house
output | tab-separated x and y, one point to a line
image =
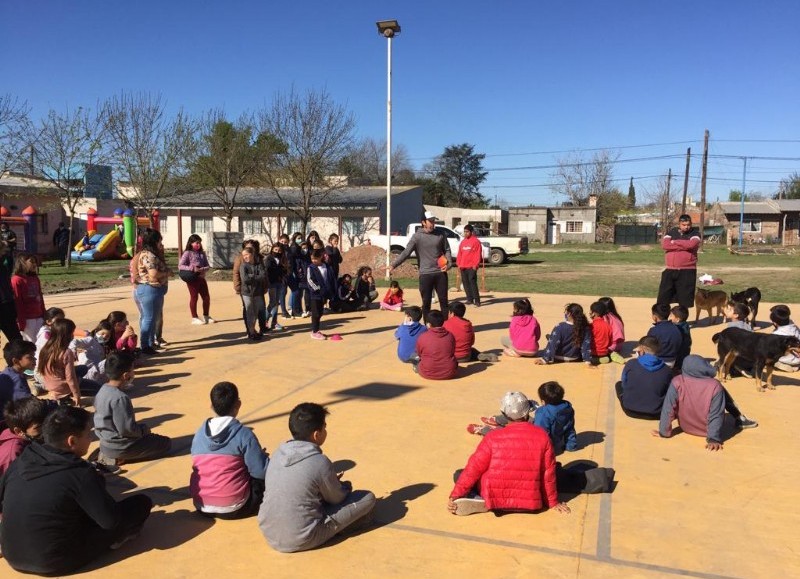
574	227
251	225
354	229
42	225
751	226
292	225
202	224
162	225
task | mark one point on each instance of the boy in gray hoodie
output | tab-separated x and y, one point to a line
305	503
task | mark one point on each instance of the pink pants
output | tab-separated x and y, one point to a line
392	307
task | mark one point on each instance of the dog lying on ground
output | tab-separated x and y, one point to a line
708	300
763	350
749	297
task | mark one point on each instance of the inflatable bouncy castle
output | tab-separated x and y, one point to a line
119	243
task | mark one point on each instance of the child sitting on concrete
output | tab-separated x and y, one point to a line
393	300
780	316
523	331
24	418
617	329
464	333
407	334
644	382
678	316
19	355
601	333
57	514
669	336
305	502
122	439
228	463
436	349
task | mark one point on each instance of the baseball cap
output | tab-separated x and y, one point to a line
429	215
515	405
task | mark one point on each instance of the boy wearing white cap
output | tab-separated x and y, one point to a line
513	468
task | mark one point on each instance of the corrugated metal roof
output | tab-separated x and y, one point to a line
265	197
788	204
751	208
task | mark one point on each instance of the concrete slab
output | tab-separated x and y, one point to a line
677	509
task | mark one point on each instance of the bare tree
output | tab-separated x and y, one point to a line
14	122
365	163
357	233
316	133
662	201
66	146
149	148
578	178
229	156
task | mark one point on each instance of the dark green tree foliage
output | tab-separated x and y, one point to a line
457	176
631	195
789	188
736	195
610	204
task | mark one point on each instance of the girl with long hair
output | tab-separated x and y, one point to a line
570	340
192	269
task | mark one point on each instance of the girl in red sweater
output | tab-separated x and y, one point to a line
393	300
601	333
28	296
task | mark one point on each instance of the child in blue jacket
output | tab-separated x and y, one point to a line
407	334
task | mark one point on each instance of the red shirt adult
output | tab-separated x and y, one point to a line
514	468
469	253
464	334
437	354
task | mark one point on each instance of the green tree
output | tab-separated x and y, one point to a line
631	195
789	188
458	173
611	204
736	195
229	156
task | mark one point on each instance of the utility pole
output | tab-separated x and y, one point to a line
703	186
667	202
686	180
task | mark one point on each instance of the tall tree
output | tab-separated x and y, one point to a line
458	173
66	144
13	124
315	133
365	164
148	148
631	195
736	195
789	188
229	156
663	203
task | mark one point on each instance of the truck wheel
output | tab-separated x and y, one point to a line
497	256
395	253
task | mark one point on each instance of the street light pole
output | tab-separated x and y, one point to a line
388	29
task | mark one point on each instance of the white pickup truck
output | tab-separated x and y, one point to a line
501	247
495	249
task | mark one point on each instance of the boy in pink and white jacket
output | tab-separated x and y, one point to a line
228	463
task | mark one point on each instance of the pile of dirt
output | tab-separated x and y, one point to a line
375	258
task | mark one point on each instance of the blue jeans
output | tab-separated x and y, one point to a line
282	299
151	300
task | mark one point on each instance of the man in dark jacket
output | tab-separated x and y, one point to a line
8	309
61	242
57	515
644	382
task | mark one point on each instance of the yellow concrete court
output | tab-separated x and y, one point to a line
677	509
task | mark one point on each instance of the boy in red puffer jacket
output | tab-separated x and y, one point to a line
513	468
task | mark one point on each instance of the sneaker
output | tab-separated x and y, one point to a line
104	468
149	351
318	336
210	320
278	328
305	315
617	357
744	422
477	304
489	421
477	429
290	315
162	342
197	322
746	373
778	366
466	506
488	357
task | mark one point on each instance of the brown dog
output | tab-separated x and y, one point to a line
707	300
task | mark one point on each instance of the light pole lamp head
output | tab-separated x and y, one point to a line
388	28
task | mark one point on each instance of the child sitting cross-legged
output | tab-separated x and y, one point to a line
464	333
644	383
678	316
305	502
781	318
436	349
122	438
19	355
523	331
407	334
393	300
570	340
228	462
601	333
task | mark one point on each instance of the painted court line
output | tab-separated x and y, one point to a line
604	526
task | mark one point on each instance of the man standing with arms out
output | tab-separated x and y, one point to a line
678	279
434	256
61	242
468	260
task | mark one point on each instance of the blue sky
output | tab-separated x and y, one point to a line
518	80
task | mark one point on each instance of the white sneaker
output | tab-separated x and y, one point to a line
197	322
467	506
306	315
210	320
